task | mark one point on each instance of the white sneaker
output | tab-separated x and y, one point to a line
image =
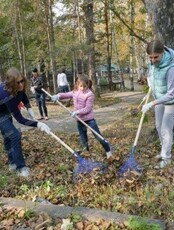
12	167
108	154
25	172
163	163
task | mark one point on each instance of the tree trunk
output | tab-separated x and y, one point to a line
51	42
18	42
116	53
89	26
23	56
132	13
108	34
161	15
79	23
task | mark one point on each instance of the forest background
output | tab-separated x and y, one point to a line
82	36
104	39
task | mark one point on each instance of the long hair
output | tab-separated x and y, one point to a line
84	79
155	46
11	80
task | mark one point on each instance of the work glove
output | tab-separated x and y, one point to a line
31	113
73	114
43	127
148	81
32	89
144	98
55	98
146	107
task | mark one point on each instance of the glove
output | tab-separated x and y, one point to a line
43	127
146	107
31	113
73	114
55	97
144	98
32	89
148	81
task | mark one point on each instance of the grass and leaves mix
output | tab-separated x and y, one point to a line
149	194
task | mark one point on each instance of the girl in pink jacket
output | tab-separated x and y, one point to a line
83	99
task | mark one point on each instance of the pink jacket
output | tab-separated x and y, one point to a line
83	102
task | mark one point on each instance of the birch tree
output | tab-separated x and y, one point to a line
132	20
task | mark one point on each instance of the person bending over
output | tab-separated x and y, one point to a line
12	93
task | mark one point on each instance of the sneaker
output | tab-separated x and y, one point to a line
25	172
46	118
12	167
163	163
108	154
158	156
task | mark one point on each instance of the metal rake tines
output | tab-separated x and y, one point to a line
88	166
131	164
84	165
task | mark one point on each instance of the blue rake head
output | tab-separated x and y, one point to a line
87	166
130	164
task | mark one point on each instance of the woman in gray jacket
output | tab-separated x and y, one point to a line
162	85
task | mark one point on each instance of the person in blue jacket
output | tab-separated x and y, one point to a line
161	81
12	93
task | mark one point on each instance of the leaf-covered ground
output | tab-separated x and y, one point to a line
149	194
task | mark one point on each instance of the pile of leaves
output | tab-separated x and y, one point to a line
149	194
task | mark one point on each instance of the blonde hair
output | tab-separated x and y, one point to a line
11	80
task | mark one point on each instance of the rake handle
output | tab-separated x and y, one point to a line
140	104
141	120
62	143
78	118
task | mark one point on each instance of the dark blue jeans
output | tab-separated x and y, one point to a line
12	141
83	134
63	89
41	103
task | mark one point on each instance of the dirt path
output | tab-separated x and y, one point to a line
104	116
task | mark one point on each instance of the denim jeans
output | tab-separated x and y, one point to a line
64	89
12	141
41	103
83	134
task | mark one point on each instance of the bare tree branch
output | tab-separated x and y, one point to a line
125	24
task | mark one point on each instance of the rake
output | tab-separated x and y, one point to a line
131	163
135	111
78	118
84	165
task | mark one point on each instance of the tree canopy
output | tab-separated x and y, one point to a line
80	35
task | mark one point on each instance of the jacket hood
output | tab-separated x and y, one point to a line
171	51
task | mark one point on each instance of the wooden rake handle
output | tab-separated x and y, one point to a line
141	103
78	118
142	118
62	143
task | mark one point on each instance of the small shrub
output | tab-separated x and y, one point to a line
141	224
